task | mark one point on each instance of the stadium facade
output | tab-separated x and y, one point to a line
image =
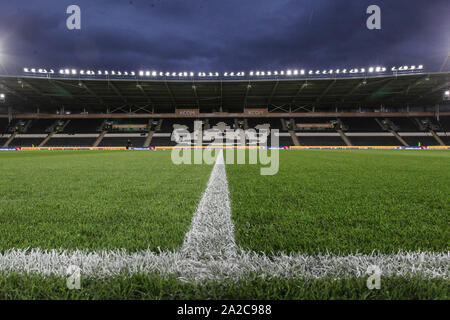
66	110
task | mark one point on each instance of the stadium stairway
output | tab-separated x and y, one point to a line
344	137
11	138
149	138
49	136
438	139
402	141
100	138
294	138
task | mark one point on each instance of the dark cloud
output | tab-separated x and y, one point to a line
217	35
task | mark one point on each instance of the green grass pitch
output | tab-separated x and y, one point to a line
342	201
97	200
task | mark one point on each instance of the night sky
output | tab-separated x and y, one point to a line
223	35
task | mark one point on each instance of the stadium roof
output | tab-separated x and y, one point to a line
392	91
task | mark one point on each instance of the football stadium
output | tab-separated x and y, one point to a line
286	182
90	182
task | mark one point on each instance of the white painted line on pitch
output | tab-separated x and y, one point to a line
209	252
120	263
212	232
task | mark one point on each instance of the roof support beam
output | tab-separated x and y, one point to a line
249	86
117	92
170	94
194	88
299	91
92	93
325	91
141	88
274	89
36	90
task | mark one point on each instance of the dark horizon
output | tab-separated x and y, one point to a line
217	36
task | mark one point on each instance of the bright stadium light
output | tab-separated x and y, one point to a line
2	98
302	72
26	70
289	72
371	69
447	93
420	67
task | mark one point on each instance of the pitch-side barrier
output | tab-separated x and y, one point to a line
229	147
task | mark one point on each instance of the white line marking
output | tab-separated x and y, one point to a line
209	252
212	232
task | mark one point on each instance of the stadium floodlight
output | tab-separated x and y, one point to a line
344	71
412	68
133	73
106	72
74	71
154	73
420	67
82	72
447	95
317	71
26	70
289	72
310	72
251	73
282	72
2	98
295	72
302	72
141	73
371	69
